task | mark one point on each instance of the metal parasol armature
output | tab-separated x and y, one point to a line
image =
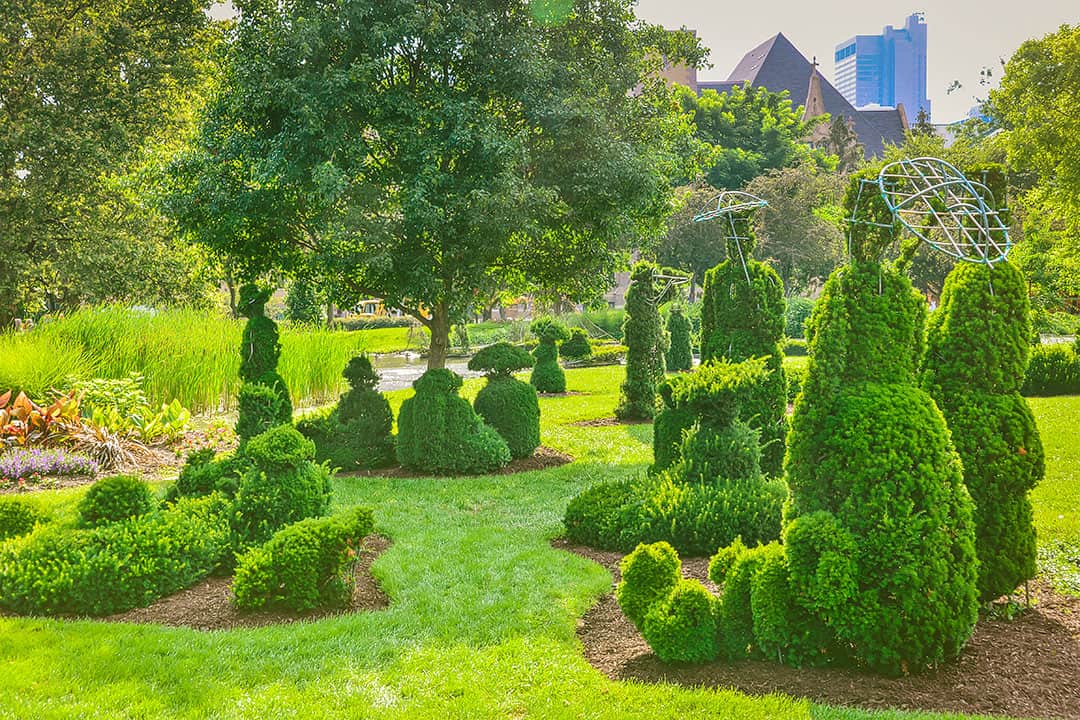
733	206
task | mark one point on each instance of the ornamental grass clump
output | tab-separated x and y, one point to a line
646	342
439	432
505	403
974	367
264	398
547	376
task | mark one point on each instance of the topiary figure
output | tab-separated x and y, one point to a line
680	354
358	432
977	354
682	626
742	316
870	458
649	574
646	342
439	432
259	352
577	347
547	376
505	403
114	499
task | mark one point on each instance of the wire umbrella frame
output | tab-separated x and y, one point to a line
733	206
945	209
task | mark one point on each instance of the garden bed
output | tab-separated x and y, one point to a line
542	459
1029	666
207	605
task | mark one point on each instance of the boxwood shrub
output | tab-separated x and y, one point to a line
505	403
18	517
547	376
577	347
260	349
682	626
649	574
117	498
680	354
304	566
1053	370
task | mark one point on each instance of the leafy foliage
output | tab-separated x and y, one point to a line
115	499
680	354
1053	370
501	359
547	376
438	431
682	626
577	347
17	517
649	574
646	343
303	566
796	313
513	409
25	423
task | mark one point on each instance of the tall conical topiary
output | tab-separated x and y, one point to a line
646	342
680	354
742	316
264	398
547	376
977	354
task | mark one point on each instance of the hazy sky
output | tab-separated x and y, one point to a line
963	35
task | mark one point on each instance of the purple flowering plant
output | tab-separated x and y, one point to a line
20	464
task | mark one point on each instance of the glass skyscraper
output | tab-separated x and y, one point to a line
887	69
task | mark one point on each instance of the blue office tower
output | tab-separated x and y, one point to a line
887	69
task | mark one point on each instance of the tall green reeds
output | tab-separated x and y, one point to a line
189	355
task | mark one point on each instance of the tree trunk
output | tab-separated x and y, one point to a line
329	315
231	286
439	327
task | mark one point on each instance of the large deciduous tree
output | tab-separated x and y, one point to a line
432	152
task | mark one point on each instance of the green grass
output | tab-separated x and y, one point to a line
481	623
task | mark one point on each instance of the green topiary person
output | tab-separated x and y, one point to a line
742	316
547	376
646	343
680	354
577	347
259	352
507	404
974	366
438	431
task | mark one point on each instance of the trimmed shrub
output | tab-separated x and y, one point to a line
796	377
669	428
735	615
358	432
680	354
974	366
649	574
259	408
1053	370
794	348
547	376
783	629
741	320
592	518
115	499
17	517
577	347
646	344
304	566
260	349
202	475
67	571
282	485
796	312
505	403
682	626
439	432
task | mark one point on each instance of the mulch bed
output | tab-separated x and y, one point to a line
608	422
542	459
208	606
1029	666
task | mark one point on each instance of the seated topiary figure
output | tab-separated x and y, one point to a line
439	432
974	366
358	432
547	376
259	353
646	342
680	354
507	404
577	347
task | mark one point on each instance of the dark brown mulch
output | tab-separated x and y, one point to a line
608	422
542	459
1027	667
207	605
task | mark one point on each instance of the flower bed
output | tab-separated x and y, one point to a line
22	466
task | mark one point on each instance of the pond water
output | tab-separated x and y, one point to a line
399	370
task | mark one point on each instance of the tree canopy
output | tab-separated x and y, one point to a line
432	152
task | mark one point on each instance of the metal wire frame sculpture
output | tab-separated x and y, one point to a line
945	209
736	207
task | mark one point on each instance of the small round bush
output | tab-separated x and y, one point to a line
649	574
438	431
360	374
682	626
17	517
680	354
511	407
501	359
114	499
577	347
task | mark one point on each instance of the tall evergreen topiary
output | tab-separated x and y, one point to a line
646	342
259	352
974	367
438	431
680	354
547	376
742	316
507	404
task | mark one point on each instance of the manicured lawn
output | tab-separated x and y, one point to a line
482	618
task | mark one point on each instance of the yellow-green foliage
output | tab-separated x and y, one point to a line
682	626
649	574
646	342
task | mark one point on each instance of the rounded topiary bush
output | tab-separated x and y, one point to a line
17	517
438	431
649	574
682	626
260	349
680	353
505	403
646	341
547	376
115	499
974	366
577	347
282	485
